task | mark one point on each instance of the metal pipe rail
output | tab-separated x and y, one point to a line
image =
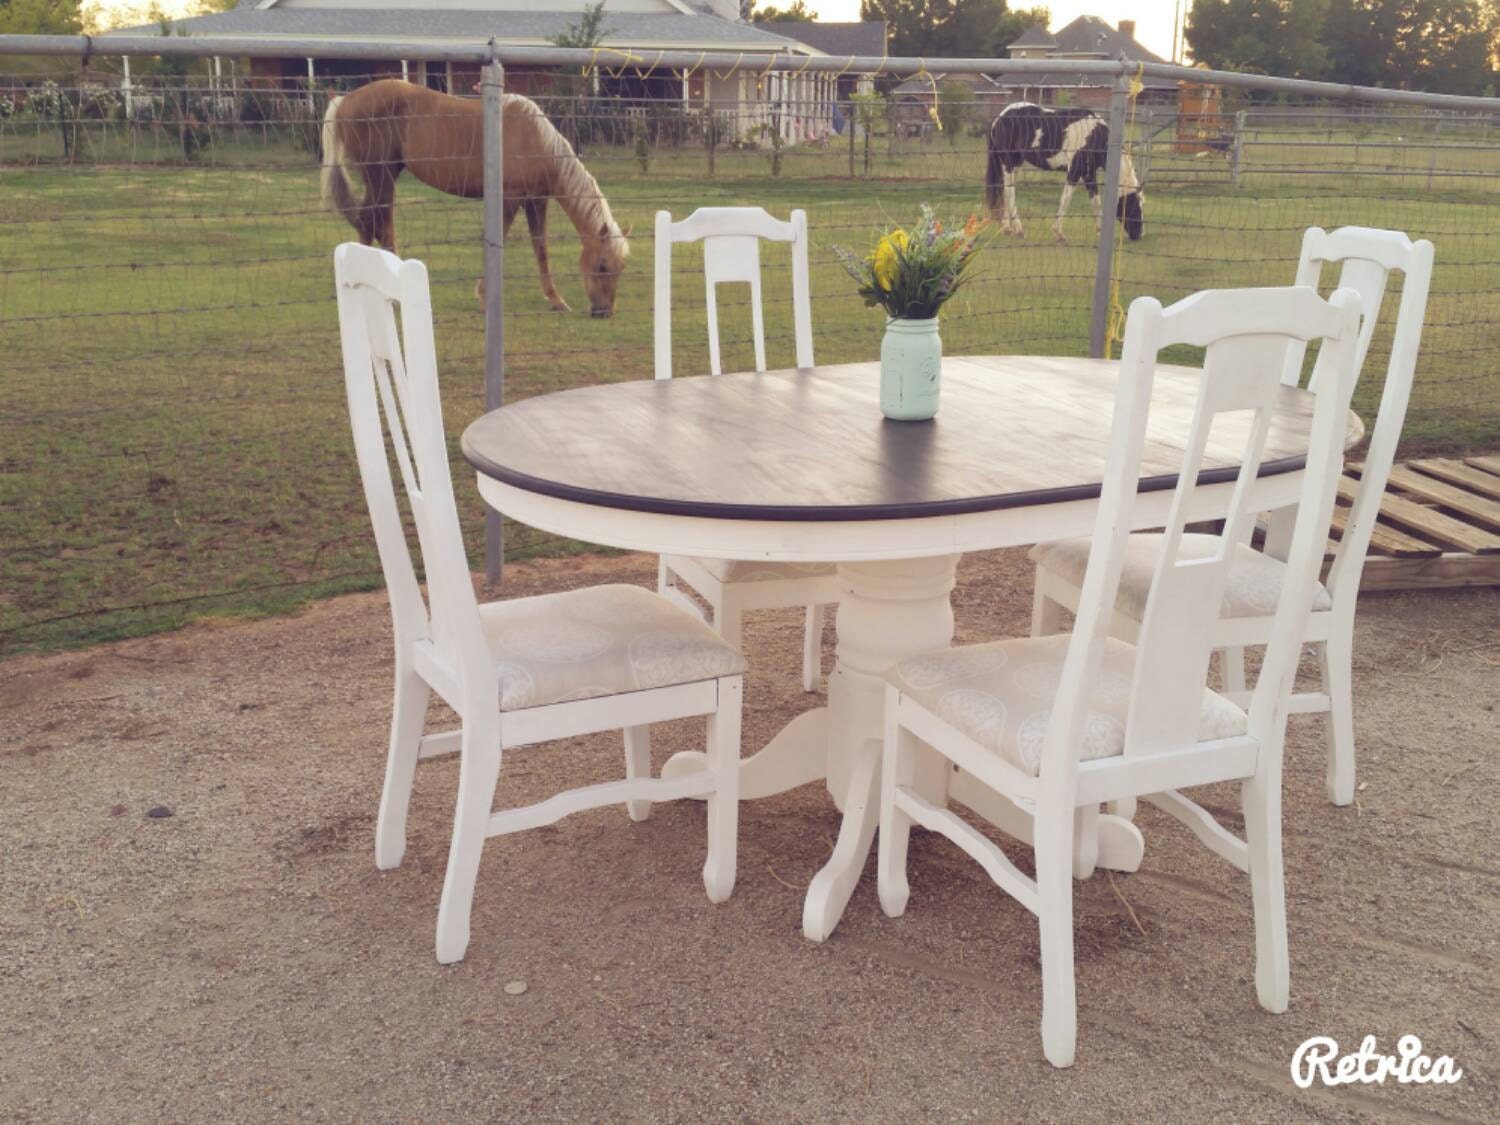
476	51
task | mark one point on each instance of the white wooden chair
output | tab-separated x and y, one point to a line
1059	724
521	671
1367	257
731	239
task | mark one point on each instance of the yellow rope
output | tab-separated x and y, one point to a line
932	110
1115	328
628	56
735	69
760	81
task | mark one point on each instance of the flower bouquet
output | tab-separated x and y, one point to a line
910	274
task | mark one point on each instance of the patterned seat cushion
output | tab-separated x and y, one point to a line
1000	695
1252	590
601	640
749	570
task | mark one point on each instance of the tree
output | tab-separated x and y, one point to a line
571	110
936	29
795	12
1014	23
1442	45
588	32
956	105
1282	37
40	17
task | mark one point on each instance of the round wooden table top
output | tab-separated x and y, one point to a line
812	445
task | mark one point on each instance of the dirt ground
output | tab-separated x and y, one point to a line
242	958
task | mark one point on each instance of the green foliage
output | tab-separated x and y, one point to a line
795	12
1279	37
869	111
40	17
1014	22
1447	46
951	28
588	32
641	143
911	274
955	107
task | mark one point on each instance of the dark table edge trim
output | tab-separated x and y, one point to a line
841	513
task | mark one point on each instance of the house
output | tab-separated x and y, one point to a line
866	39
1087	37
913	101
800	106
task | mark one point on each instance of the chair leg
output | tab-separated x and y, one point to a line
812	648
1336	658
638	765
479	771
1085	840
728	618
1232	668
724	804
408	717
1046	614
1054	883
897	768
1124	807
1261	798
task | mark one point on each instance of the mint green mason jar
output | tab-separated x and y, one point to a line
911	361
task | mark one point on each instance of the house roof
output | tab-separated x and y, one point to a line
1036	35
839	39
525	28
1087	37
1090	35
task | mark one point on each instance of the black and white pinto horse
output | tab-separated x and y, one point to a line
1074	141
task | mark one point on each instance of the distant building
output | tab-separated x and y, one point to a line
1087	37
802	106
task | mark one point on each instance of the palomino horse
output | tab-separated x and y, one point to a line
379	129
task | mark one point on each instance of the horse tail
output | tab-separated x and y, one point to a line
338	187
994	173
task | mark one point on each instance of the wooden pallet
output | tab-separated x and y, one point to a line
1439	524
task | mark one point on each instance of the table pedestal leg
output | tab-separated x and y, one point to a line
796	756
888	611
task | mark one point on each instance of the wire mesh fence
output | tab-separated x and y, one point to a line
175	437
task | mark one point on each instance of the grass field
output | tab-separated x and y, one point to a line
174	437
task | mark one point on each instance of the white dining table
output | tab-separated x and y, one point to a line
800	466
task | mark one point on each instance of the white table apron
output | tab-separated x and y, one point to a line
897	576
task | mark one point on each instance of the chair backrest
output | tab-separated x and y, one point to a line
1366	257
1245	333
731	252
390	369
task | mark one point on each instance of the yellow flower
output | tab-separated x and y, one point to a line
884	261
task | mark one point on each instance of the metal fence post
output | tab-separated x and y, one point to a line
1237	153
1099	327
492	84
853	128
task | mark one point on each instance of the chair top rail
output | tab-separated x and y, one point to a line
728	222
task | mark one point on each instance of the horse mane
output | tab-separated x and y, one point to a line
574	187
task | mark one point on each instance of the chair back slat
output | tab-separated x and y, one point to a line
390	373
731	238
1366	257
1244	334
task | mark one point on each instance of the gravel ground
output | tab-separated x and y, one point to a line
242	958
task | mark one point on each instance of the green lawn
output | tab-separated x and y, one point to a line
174	438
